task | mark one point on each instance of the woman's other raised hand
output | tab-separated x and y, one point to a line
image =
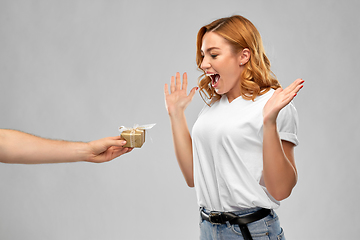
280	99
177	100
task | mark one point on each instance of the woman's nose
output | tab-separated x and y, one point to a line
205	64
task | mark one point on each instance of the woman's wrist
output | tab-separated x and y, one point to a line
178	112
269	124
269	121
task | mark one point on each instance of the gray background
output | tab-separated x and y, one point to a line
77	70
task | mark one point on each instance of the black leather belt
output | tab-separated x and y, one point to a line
223	217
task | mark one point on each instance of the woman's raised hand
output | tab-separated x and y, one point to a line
280	99
177	99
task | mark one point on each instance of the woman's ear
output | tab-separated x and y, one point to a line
244	56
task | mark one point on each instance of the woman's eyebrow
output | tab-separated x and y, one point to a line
209	49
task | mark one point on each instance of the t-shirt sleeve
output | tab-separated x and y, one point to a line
287	123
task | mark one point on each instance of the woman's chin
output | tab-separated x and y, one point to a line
218	91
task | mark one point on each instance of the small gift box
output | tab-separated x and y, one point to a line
134	137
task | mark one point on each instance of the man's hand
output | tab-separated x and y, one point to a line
106	149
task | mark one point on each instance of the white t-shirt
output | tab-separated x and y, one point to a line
227	153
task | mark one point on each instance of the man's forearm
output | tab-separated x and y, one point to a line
20	147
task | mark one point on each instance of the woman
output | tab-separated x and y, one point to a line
241	155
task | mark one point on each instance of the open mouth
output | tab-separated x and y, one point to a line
214	78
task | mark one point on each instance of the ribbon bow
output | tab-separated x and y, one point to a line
136	127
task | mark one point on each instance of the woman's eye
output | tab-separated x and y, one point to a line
213	55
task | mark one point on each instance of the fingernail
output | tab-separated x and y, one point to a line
295	94
123	142
197	88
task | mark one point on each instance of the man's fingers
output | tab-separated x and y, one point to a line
114	141
114	153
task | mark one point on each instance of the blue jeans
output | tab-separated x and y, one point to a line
267	228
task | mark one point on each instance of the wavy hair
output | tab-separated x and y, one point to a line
256	78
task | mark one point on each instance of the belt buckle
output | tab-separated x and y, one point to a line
214	214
